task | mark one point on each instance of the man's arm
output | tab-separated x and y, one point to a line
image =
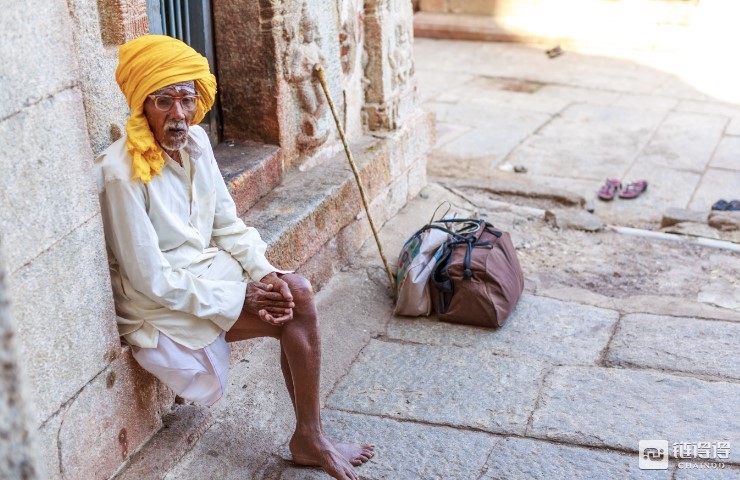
135	245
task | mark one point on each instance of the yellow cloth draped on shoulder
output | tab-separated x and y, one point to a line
145	65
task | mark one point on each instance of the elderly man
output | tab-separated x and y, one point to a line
188	276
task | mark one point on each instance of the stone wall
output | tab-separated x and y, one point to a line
59	105
17	454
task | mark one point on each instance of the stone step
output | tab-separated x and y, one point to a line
660	24
250	170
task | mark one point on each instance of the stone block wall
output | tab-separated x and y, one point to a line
59	105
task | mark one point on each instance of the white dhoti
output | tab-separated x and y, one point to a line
196	375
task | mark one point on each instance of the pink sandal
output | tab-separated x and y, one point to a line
633	189
609	189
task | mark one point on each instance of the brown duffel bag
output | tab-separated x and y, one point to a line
478	279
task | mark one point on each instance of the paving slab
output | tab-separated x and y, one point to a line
446	132
701	347
726	473
407	451
728	153
646	102
527	459
568	95
434	82
442	385
515	93
684	141
716	183
667	188
538	328
733	128
708	107
616	408
587	141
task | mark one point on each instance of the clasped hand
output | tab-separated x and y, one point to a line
270	299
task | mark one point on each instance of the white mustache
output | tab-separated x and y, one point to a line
175	125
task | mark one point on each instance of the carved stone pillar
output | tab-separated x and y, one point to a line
389	67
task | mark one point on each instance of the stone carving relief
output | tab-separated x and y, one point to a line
303	53
350	37
400	55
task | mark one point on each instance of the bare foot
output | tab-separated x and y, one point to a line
319	451
355	453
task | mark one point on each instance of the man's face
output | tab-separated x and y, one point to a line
170	127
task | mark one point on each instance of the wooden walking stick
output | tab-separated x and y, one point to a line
322	79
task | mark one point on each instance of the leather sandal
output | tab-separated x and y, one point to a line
609	189
633	189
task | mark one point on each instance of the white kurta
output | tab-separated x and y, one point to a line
163	237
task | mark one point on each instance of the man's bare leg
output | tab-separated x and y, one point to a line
301	361
355	453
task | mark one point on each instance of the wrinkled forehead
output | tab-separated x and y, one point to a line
183	88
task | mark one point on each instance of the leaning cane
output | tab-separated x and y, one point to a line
322	78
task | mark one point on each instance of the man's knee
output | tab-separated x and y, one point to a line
300	288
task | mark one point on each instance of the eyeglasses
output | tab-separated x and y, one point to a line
165	102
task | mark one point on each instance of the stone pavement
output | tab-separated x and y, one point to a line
564	390
616	339
580	118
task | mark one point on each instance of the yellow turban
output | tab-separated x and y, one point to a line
145	65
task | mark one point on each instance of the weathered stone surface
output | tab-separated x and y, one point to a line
105	106
616	408
526	459
728	153
182	427
673	216
733	128
659	194
684	141
716	183
452	386
251	170
726	473
574	219
682	344
725	221
497	132
538	328
110	417
37	51
48	448
653	304
598	142
247	77
408	450
123	21
693	229
18	457
28	229
646	102
510	189
65	341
